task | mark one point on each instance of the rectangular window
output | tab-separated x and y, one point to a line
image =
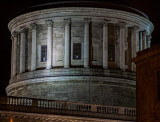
76	51
158	84
43	53
111	53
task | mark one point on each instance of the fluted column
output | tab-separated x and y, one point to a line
122	46
34	47
67	43
86	42
105	44
144	44
22	50
14	58
49	43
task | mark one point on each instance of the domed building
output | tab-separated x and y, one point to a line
78	52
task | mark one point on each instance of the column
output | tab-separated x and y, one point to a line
122	46
49	43
105	44
67	43
140	40
22	50
117	45
134	41
34	47
86	42
14	57
148	38
144	45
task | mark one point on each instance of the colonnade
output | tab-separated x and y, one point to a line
139	41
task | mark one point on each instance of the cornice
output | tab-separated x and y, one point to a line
80	12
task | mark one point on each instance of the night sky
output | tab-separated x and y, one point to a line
10	8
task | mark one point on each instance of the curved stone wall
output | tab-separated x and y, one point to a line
79	54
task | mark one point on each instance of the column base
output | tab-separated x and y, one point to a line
48	67
86	66
105	67
66	66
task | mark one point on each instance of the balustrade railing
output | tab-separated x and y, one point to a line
53	105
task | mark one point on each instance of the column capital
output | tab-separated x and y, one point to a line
87	21
49	23
149	37
135	28
14	34
106	22
67	21
144	32
122	25
24	29
34	26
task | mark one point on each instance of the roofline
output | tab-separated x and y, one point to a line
97	4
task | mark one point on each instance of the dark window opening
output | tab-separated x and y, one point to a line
158	84
111	53
43	53
76	51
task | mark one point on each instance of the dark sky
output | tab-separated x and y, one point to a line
9	8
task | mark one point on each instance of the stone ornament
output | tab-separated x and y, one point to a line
67	21
34	26
49	23
106	22
122	25
87	21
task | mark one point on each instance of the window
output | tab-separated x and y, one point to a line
158	84
43	53
111	53
76	51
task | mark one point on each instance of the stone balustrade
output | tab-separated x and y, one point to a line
40	105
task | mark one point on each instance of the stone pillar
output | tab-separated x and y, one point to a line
148	38
86	41
140	40
144	44
34	47
67	43
105	44
122	46
134	41
22	50
117	45
38	55
14	57
49	43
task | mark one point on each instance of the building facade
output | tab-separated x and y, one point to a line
77	54
148	88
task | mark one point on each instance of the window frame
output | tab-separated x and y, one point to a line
43	53
77	51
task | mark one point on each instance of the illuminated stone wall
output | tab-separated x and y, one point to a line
103	75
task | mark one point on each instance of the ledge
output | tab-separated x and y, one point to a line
59	72
147	53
